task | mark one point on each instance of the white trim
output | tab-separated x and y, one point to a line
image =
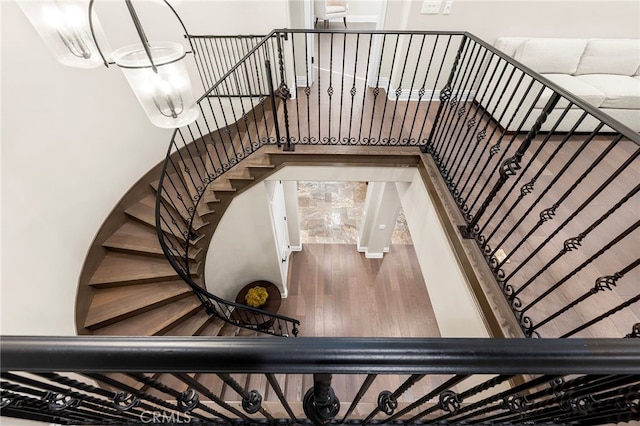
301	81
374	255
296	248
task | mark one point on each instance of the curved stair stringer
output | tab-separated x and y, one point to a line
128	287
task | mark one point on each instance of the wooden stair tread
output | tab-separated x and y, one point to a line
122	269
153	322
211	382
171	382
114	304
146	214
212	328
135	237
170	196
191	326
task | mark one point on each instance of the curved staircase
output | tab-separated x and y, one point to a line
127	286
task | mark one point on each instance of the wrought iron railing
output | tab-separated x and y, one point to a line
547	184
117	380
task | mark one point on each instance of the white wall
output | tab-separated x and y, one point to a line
539	18
73	142
364	10
243	247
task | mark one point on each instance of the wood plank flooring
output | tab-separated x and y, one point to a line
337	292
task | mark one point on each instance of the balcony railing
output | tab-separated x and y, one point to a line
546	183
547	189
93	380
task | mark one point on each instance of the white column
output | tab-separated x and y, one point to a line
381	209
290	188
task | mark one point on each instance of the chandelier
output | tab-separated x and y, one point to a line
156	70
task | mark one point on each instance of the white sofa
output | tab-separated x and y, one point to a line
603	72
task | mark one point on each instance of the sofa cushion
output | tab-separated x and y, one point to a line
620	91
551	55
581	89
610	56
508	45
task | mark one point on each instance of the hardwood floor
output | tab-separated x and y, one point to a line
336	292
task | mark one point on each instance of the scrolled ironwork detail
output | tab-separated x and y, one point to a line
5	402
606	282
471	123
252	402
353	91
547	214
527	188
321	412
461	111
445	94
398	92
376	91
421	92
481	135
124	401
583	405
572	244
330	91
515	403
58	401
386	403
509	167
454	102
635	332
307	90
449	401
188	400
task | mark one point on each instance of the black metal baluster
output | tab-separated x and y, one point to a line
445	95
344	56
283	399
318	60
469	95
295	86
320	402
368	381
575	242
548	213
486	117
251	400
376	92
388	401
422	91
453	100
398	93
365	84
188	400
274	106
606	282
528	187
510	166
195	384
62	398
446	385
138	393
283	92
353	91
307	89
329	139
386	94
407	140
497	146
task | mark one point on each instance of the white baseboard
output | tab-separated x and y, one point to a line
374	255
296	248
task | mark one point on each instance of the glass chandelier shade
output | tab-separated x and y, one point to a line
162	88
64	27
